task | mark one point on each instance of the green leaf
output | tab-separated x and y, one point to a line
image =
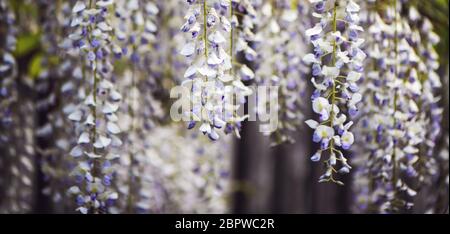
35	66
26	44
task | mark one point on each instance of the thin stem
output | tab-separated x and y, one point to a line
205	28
231	37
394	154
93	109
205	36
231	51
333	90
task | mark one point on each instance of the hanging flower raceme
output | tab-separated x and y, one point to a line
406	129
54	79
217	90
8	69
375	113
434	161
337	64
423	39
395	130
16	160
280	42
95	117
169	65
183	173
135	36
242	16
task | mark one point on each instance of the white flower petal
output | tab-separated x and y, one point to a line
89	101
109	108
312	123
79	6
317	29
113	196
217	38
190	71
92	155
84	138
104	27
188	49
207	71
352	6
104	3
247	72
112	128
76	151
310	58
330	72
320	104
115	96
82	210
90	120
76	115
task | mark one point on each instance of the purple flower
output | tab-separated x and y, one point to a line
91	56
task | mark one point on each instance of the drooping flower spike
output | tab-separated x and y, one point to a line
135	39
281	44
394	130
54	81
15	123
217	88
95	117
8	66
337	64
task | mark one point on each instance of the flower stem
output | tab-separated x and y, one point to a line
96	164
394	154
333	90
205	27
231	37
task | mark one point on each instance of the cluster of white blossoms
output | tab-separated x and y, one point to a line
424	40
399	107
280	45
8	67
214	79
16	162
136	28
179	173
169	65
374	113
136	37
337	66
54	137
95	118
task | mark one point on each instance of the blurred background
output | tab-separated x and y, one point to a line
262	179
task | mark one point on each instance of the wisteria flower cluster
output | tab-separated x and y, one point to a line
16	160
96	116
400	158
136	35
217	86
280	47
8	68
337	66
